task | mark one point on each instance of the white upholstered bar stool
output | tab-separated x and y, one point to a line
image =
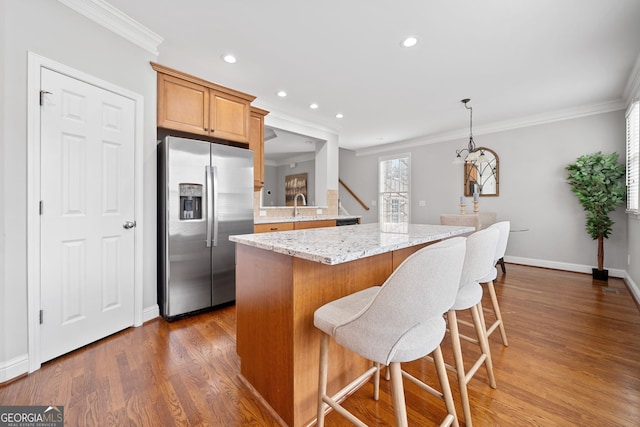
478	261
504	227
400	321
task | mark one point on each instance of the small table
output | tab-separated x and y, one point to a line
516	229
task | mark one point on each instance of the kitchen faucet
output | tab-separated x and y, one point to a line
295	204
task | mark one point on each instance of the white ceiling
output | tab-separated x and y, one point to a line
517	60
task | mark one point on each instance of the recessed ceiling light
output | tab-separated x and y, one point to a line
313	106
409	41
229	59
339	115
282	94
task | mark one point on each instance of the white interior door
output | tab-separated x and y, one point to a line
87	193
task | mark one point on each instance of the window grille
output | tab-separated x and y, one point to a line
394	182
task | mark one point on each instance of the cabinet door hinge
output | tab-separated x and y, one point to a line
40	207
42	94
41	317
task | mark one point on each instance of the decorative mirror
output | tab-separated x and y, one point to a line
481	173
481	165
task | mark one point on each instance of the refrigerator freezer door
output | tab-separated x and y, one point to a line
233	214
187	284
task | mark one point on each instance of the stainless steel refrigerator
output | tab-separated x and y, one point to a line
205	194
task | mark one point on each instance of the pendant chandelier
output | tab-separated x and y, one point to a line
471	154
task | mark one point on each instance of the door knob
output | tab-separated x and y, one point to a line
129	224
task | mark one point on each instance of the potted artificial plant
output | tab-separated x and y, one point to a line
597	181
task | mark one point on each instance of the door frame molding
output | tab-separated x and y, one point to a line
35	64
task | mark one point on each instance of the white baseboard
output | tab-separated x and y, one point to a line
633	287
14	367
578	268
149	313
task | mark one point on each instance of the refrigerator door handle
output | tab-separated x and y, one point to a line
209	196
214	173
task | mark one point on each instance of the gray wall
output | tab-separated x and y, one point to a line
633	224
533	191
308	167
4	303
60	34
269	191
273	192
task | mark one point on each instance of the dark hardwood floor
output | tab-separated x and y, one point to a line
573	360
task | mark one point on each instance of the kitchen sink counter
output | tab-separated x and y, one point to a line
335	245
301	218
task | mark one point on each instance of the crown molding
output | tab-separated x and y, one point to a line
112	19
501	126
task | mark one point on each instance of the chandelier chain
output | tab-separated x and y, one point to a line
472	144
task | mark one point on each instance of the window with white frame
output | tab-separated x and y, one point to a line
394	173
633	158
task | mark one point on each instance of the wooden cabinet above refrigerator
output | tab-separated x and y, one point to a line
190	104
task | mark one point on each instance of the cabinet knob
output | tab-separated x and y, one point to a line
206	129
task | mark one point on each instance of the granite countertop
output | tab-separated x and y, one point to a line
275	220
336	245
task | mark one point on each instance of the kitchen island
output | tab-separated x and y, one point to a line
283	277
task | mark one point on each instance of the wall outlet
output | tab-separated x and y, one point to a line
373	203
422	203
263	213
318	211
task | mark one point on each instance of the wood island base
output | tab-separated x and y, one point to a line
276	296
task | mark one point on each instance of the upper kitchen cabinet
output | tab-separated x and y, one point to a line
189	104
256	143
182	105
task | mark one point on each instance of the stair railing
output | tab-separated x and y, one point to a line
353	194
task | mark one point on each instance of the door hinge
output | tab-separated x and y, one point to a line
41	317
42	94
40	207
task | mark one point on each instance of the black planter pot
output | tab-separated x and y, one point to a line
599	274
